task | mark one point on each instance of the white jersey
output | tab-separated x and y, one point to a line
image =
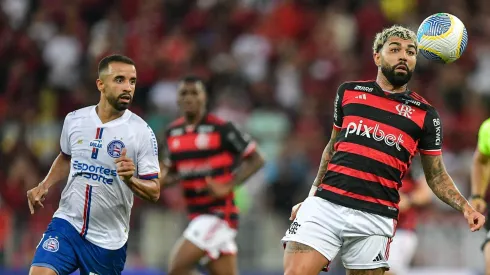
95	200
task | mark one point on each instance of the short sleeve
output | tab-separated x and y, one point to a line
65	144
148	165
431	140
237	142
484	138
338	114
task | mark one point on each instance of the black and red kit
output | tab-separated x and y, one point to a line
380	132
212	148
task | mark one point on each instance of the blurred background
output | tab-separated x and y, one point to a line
271	66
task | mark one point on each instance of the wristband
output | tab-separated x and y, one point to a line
474	197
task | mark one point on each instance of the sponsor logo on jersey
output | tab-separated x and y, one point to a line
96	143
92	172
205	129
414	102
114	148
363	88
437	125
375	133
51	245
176	132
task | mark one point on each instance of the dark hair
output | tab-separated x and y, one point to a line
104	63
191	79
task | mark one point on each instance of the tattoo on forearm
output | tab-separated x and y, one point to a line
294	247
326	157
441	183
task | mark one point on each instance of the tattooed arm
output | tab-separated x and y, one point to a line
444	188
326	157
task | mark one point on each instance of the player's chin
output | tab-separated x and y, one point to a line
121	106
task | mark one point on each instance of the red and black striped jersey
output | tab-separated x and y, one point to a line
212	148
380	132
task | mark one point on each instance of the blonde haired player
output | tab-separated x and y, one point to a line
379	125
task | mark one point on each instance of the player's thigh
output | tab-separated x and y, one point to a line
313	239
184	256
55	251
100	261
366	253
301	259
224	265
377	271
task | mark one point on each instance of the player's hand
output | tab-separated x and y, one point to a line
479	204
405	202
124	166
475	219
36	196
219	189
294	211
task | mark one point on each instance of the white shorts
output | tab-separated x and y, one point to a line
212	235
363	239
402	251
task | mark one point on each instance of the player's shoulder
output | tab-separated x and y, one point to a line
79	114
485	127
137	122
215	120
358	85
421	99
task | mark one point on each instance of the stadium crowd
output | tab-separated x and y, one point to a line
271	66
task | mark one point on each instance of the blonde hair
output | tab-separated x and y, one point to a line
397	31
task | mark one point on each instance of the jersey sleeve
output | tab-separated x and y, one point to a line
65	144
338	114
484	138
431	140
237	142
147	158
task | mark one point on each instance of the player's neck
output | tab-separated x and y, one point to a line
193	120
387	86
107	113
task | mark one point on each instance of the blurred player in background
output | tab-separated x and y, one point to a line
107	153
480	175
414	193
209	157
352	207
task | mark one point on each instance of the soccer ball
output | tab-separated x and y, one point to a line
442	37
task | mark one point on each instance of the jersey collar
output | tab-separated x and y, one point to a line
120	120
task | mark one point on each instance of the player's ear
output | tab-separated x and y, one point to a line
100	84
377	58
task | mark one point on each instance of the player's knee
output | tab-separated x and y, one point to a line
40	270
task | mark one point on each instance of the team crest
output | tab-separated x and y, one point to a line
404	110
51	245
114	149
202	141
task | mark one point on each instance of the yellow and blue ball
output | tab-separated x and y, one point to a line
442	37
